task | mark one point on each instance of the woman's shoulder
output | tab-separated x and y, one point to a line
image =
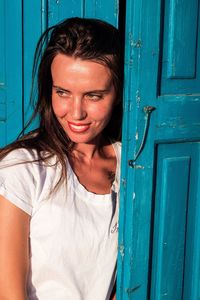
117	144
18	156
117	147
29	174
23	179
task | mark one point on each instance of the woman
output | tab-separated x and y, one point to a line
59	185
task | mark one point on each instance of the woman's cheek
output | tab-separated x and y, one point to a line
99	112
60	108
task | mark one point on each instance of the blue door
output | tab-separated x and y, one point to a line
159	243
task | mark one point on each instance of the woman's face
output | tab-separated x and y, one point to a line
83	97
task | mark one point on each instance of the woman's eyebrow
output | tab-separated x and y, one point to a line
98	91
104	90
60	88
87	92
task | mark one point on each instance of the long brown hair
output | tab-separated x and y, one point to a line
88	39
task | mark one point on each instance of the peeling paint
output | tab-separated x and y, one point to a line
124	182
138	44
135	44
164	294
126	106
129	106
131	38
133	165
136	135
121	250
173	124
138	167
130	62
138	98
134	196
167	124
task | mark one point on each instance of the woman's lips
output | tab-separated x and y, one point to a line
78	127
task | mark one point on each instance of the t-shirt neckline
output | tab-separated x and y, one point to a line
83	192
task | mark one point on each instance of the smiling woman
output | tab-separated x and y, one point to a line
59	214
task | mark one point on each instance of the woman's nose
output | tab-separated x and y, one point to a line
77	110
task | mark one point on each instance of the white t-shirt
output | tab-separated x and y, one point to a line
73	232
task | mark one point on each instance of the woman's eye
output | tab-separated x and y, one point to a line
61	93
94	97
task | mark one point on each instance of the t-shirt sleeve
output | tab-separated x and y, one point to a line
17	180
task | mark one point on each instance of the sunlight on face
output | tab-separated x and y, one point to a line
83	97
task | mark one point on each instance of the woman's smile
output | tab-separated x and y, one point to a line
78	127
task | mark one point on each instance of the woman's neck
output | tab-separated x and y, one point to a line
89	151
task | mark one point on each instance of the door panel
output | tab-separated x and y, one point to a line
175	222
173	120
180	62
159	206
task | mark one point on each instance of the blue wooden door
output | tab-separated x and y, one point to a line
21	24
159	243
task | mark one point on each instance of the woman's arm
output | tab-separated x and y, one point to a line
14	251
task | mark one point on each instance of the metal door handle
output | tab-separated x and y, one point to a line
147	110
